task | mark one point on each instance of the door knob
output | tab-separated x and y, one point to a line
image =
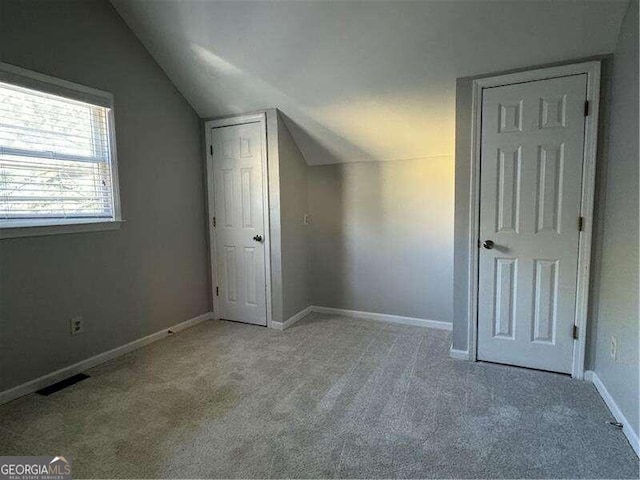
258	238
488	244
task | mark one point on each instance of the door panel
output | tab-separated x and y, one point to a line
530	188
505	297
239	211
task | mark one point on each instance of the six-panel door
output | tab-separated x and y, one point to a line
239	229
531	176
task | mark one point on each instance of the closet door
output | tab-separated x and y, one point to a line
531	181
239	222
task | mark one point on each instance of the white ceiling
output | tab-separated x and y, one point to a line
359	81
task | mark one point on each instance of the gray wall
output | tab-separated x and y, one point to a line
381	238
275	232
616	299
128	283
462	185
464	101
294	242
288	202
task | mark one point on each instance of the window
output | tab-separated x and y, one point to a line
57	161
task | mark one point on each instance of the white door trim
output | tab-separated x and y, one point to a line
259	117
592	70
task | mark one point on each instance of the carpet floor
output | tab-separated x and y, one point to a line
330	397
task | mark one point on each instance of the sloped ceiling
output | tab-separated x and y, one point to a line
359	81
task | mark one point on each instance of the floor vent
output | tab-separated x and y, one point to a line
67	382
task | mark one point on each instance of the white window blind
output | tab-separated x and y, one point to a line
55	158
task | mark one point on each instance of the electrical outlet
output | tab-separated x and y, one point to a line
614	348
77	325
306	220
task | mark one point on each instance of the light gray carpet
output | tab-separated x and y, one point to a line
331	397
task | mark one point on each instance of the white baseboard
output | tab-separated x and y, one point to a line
459	354
66	372
295	318
420	322
627	429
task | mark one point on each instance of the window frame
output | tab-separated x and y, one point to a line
44	83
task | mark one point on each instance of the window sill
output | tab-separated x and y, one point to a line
35	229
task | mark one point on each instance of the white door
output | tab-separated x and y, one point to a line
531	180
239	222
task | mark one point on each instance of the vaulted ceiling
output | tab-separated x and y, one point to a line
359	81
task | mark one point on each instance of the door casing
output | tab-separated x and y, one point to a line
259	117
592	70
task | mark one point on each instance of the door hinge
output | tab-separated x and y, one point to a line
586	109
217	292
211	149
213	221
580	224
574	333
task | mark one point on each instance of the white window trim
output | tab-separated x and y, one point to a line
56	86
